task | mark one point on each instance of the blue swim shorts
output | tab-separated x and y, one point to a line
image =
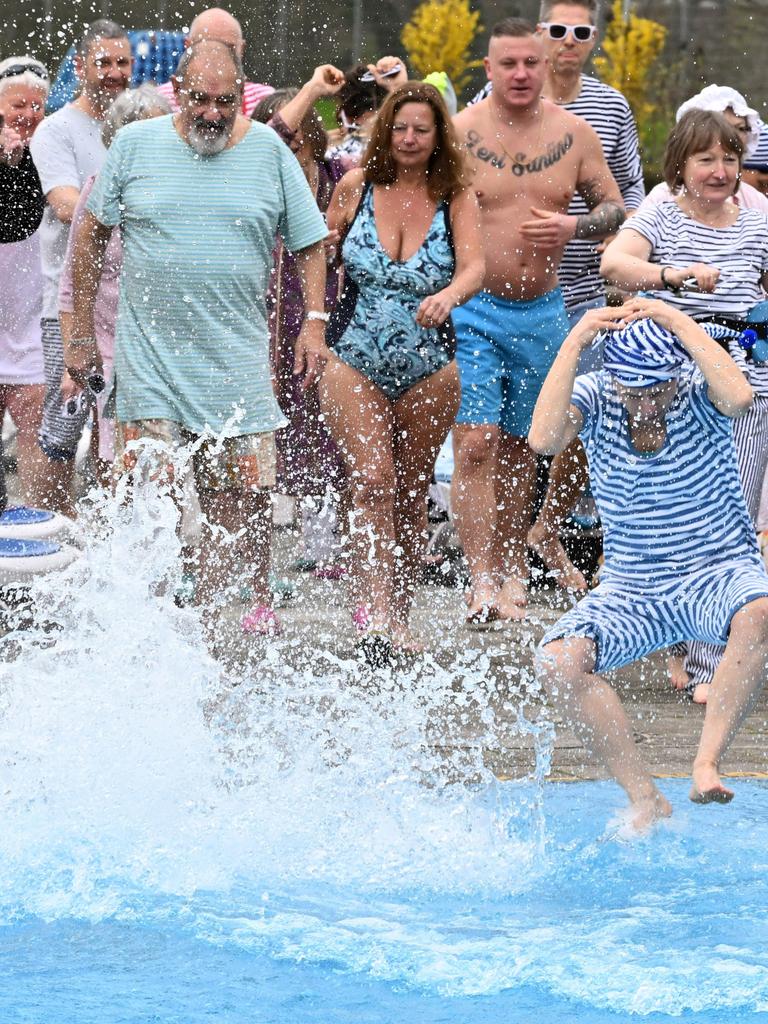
626	624
504	350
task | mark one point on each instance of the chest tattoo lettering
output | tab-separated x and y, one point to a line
518	163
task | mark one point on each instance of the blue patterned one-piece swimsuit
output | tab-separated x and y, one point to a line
373	326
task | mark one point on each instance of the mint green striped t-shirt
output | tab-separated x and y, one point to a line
192	343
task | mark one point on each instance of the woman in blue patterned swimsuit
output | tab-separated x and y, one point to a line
411	253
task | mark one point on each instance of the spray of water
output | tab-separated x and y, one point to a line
309	810
133	760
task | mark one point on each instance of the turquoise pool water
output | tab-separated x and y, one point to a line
667	928
179	845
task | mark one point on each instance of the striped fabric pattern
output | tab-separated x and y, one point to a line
740	252
643	353
760	156
627	623
608	112
192	343
252	93
750	435
668	512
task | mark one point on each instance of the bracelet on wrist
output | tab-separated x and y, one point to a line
82	342
668	284
317	314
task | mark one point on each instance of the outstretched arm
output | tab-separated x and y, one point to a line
729	390
556	422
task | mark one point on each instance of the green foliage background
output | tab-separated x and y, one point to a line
719	41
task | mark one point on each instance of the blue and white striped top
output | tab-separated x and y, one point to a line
740	252
669	512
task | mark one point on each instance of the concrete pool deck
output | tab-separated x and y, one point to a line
667	723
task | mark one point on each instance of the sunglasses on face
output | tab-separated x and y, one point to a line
581	33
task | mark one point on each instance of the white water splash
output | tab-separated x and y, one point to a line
130	761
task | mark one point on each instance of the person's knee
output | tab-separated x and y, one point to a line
561	664
374	484
750	623
476	446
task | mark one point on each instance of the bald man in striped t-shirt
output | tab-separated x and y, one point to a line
681	559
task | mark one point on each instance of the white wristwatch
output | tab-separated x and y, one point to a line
317	314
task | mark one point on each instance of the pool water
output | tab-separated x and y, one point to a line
672	926
295	849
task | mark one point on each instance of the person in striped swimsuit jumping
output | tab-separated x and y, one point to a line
681	558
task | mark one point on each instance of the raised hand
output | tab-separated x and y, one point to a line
548	230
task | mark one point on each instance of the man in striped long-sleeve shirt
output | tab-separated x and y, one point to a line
569	35
219	25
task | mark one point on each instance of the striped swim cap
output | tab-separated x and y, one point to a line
643	353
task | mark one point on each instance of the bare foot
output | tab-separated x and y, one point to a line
700	693
648	810
707	787
482	617
512	599
482	601
404	640
552	553
678	677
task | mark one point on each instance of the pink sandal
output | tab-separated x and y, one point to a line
261	621
361	618
333	571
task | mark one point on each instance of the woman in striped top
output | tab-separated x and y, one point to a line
701	235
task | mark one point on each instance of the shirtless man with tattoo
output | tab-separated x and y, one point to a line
528	157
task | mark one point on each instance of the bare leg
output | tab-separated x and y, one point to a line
423	417
55	490
249	512
25	404
568	476
473	498
736	684
515	488
566	667
360	420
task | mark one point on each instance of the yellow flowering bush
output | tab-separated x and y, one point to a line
439	37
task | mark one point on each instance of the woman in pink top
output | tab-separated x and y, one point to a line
132	105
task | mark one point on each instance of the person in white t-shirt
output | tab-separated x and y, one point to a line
219	26
67	150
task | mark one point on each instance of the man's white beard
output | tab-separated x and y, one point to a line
206	144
